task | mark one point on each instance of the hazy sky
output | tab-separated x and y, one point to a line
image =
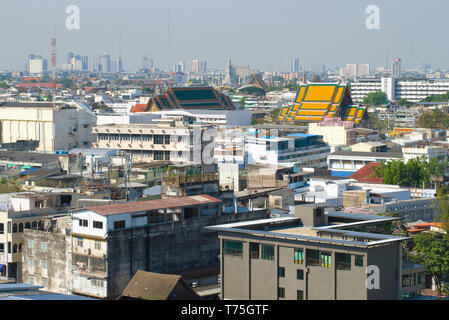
262	33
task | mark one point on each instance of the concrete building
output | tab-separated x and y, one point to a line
345	163
334	132
21	212
67	127
174	139
312	257
429	152
395	88
298	149
111	243
46	255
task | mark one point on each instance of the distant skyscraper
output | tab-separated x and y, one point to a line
356	70
37	65
396	68
294	65
198	66
70	55
101	64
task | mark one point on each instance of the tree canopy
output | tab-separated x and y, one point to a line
415	172
435	119
437	98
432	250
375	98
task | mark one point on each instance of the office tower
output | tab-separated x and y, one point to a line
294	65
37	65
198	66
396	68
70	55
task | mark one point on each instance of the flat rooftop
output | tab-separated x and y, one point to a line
291	228
130	207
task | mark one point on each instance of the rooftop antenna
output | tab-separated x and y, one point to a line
169	40
386	62
119	66
53	69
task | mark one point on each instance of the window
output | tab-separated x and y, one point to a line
97	283
45	282
281	292
85	126
20	247
9	227
9	247
30	244
97	245
167	139
233	248
167	155
20	227
158	155
299	295
342	261
80	242
312	257
300	274
419	279
408	280
14	248
158	139
254	249
2	247
267	252
119	224
83	223
358	261
44	246
326	259
298	257
98	224
44	265
281	272
14	228
2	228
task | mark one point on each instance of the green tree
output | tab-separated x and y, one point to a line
437	98
435	119
432	250
405	103
442	202
375	98
242	103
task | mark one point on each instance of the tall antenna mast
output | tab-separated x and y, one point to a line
169	40
119	66
53	68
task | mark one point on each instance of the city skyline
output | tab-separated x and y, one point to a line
260	34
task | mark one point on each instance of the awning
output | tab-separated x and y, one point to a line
26	167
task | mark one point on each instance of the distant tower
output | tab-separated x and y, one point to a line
230	74
396	68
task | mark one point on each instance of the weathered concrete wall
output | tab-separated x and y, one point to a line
56	256
165	248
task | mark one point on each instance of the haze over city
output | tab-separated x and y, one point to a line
262	34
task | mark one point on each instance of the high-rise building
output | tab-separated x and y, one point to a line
36	64
101	64
356	70
70	55
294	65
396	68
198	66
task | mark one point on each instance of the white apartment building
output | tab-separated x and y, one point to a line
429	152
173	139
305	150
67	127
37	66
396	89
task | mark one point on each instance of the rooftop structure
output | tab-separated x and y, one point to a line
318	101
190	98
311	256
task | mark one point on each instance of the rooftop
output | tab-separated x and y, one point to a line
130	207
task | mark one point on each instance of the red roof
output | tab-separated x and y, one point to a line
366	174
40	85
130	207
139	108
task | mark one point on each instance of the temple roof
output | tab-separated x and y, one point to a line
190	98
317	101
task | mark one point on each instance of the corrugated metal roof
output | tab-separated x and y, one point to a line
177	202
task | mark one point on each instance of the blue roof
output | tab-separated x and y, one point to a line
302	135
